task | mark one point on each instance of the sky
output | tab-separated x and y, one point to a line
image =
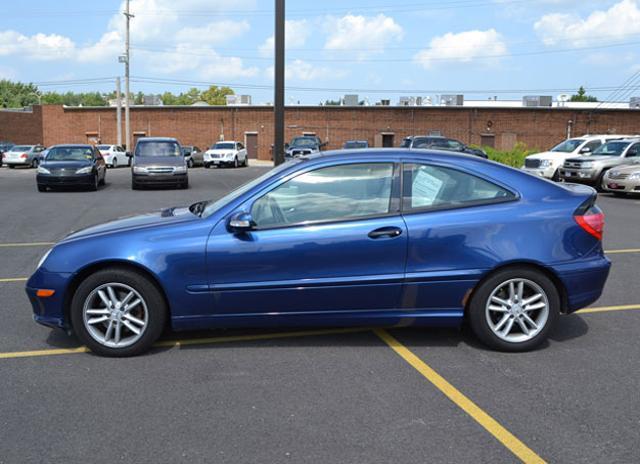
377	48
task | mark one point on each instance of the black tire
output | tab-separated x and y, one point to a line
185	185
190	164
134	185
556	176
598	185
42	188
96	182
103	182
235	162
35	163
115	163
207	165
11	166
245	163
153	298
477	308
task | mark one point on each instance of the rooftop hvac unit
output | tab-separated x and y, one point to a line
634	102
351	100
452	100
537	100
404	101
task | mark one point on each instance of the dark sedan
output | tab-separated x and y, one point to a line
441	143
71	166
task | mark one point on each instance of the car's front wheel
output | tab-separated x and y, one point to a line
118	312
514	309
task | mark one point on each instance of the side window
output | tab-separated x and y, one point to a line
327	194
455	145
240	146
433	187
592	145
633	151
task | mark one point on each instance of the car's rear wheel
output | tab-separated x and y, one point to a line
235	162
190	164
118	312
95	183
514	309
114	164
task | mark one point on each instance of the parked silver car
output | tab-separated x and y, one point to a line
592	169
623	179
193	156
23	155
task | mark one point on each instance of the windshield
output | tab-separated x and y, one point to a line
164	149
70	154
22	148
568	145
356	145
406	143
104	147
304	142
211	207
223	146
611	149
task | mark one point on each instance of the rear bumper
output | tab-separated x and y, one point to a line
84	180
583	281
14	162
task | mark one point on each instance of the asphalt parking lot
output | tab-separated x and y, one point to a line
343	396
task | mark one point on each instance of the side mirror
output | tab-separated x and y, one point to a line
585	150
241	222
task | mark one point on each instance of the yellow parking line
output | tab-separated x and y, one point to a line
628	250
192	342
15	279
34	244
605	309
510	441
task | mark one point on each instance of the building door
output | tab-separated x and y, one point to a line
251	140
387	140
488	140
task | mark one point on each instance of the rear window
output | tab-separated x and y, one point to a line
22	148
164	149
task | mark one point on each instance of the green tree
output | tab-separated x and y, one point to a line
216	95
17	94
582	96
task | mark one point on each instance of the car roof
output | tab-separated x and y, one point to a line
72	145
226	141
157	139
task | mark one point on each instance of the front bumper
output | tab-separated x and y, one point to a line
218	161
547	173
623	185
49	311
160	179
579	175
79	180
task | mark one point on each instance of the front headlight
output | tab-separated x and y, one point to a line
140	170
43	170
86	170
180	169
44	258
635	176
587	165
228	155
545	163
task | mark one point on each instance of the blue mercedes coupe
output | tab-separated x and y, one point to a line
351	238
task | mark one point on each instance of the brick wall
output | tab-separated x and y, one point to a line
202	126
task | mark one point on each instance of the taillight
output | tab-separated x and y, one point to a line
24	156
591	219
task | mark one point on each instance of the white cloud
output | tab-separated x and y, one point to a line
600	26
212	33
370	34
462	47
300	70
38	46
296	33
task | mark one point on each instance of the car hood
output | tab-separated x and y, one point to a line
627	168
549	155
165	216
159	161
315	148
66	164
594	158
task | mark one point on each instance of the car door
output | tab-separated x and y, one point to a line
633	152
450	216
330	239
198	157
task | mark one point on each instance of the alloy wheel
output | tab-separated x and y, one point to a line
517	310
115	315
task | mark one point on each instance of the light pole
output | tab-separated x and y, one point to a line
127	60
278	101
118	113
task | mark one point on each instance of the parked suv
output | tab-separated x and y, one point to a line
227	153
303	145
591	169
23	155
158	162
547	164
440	143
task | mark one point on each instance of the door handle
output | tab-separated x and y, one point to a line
390	232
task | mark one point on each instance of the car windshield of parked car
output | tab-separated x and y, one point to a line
568	145
355	145
223	146
328	194
69	154
611	149
163	149
304	142
22	148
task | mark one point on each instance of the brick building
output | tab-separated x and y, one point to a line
381	126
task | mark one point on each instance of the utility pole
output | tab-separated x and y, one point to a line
118	112
127	54
278	103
